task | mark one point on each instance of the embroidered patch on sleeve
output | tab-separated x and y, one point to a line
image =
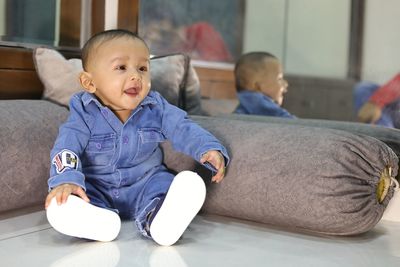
66	159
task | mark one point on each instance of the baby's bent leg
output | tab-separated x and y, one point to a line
183	201
81	219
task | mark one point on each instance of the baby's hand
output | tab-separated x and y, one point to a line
216	159
62	192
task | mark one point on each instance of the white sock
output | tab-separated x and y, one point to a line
81	219
183	201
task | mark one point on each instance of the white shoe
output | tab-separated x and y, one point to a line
183	201
81	219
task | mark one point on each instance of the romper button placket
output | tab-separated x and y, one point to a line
125	139
98	145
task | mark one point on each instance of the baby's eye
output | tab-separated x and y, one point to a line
120	67
143	68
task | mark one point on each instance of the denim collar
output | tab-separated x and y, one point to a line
250	100
87	98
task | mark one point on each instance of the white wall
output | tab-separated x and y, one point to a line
2	17
314	40
264	26
381	54
318	37
57	23
111	15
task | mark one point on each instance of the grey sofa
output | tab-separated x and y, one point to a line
307	175
261	148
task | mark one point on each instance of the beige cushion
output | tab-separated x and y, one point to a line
58	75
174	77
171	75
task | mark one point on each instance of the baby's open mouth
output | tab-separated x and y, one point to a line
132	91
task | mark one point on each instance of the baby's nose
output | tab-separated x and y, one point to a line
135	75
285	85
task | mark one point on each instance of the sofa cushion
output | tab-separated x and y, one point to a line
176	79
303	178
28	130
58	75
171	75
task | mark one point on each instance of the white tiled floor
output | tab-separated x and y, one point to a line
28	240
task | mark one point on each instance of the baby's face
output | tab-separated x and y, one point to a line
271	82
120	73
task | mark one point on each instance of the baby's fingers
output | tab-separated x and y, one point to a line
219	175
81	193
63	195
48	199
62	192
205	157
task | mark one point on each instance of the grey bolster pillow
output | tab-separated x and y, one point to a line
304	178
390	136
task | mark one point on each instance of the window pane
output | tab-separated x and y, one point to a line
318	42
310	37
207	30
28	21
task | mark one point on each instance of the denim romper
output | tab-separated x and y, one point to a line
120	165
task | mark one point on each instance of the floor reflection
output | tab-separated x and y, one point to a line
100	254
166	256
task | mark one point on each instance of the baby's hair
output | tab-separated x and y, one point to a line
249	63
102	37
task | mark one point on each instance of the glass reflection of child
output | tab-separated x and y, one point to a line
260	85
106	161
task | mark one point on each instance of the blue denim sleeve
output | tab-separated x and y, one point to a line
65	155
188	137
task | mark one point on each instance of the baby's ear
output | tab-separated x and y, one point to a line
256	86
85	78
